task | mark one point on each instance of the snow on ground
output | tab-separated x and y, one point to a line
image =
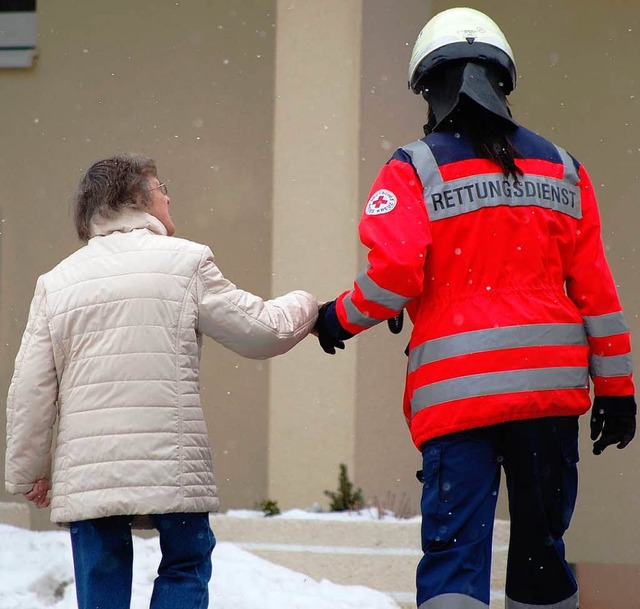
310	514
36	570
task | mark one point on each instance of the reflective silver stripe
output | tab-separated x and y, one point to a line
533	335
374	293
355	316
611	365
424	162
494	383
610	324
568	603
570	173
459	601
456	197
468	194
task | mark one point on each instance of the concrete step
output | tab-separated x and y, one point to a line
378	554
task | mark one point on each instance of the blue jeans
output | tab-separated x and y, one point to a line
103	561
461	478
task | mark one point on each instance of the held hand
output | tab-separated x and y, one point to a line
328	342
613	421
38	494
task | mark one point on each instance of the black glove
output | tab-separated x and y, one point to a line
395	323
613	421
327	334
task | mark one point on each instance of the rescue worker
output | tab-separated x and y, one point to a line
489	235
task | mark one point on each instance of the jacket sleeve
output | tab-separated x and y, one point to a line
591	287
247	324
394	226
31	402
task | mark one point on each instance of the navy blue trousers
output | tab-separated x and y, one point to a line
461	478
103	561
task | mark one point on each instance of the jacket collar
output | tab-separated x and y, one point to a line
126	221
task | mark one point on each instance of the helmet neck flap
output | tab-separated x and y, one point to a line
479	83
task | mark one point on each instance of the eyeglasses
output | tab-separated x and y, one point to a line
162	187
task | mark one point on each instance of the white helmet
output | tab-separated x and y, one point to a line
460	33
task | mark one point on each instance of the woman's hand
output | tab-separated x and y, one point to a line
38	494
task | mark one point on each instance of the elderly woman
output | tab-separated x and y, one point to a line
112	352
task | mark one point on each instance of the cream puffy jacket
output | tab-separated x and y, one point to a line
111	351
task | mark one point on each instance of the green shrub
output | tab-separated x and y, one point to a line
269	507
346	498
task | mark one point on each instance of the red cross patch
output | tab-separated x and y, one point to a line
380	202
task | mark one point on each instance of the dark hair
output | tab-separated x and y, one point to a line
487	125
489	134
111	185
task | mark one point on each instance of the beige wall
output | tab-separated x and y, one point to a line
271	120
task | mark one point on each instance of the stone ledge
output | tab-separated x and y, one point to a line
379	554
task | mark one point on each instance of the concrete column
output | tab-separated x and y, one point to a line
315	182
391	116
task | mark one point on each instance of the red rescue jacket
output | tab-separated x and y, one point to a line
506	283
